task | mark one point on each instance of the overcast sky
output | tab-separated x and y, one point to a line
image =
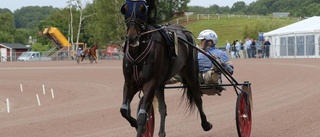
17	4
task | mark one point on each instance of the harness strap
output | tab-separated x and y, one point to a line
136	61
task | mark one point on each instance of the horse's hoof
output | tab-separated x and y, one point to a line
207	126
162	134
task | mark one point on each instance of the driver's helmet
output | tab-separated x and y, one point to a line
208	35
79	48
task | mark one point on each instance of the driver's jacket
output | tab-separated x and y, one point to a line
80	52
205	63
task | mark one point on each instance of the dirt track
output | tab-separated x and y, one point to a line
88	97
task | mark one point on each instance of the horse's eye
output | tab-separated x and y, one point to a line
124	9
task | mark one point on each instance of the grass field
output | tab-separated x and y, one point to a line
235	28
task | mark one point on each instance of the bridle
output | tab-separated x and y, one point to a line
135	13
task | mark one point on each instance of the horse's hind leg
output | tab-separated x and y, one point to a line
194	86
162	110
95	58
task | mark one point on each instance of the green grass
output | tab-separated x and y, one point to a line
233	28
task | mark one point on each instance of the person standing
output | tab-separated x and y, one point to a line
253	48
228	46
233	50
267	46
241	51
237	49
247	46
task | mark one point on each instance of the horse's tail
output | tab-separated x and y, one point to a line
188	95
193	64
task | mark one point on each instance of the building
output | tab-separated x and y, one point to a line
11	51
280	14
297	40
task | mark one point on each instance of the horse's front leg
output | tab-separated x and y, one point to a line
125	110
144	109
162	110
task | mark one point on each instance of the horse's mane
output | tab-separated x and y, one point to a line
95	46
152	12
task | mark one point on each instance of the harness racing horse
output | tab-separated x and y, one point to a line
148	65
91	53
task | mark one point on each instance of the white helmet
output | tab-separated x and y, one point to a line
208	35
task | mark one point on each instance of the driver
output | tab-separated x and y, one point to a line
210	73
80	52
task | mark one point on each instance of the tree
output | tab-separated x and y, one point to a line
108	24
21	36
7	27
29	17
81	8
167	8
7	23
239	7
5	10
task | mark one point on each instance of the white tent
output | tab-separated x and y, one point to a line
298	40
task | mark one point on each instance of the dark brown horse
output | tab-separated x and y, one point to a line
91	53
148	65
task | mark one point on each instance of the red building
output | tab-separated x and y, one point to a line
11	51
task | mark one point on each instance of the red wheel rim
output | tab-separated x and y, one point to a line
149	124
243	116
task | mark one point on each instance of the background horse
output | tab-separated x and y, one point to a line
91	53
148	64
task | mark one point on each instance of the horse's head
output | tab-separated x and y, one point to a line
135	14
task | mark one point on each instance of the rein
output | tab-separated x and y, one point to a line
150	31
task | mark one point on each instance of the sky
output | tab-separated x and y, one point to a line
17	4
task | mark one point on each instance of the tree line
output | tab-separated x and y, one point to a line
101	22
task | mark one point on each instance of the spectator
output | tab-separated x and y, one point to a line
267	46
237	49
247	47
228	46
241	51
259	49
253	48
263	48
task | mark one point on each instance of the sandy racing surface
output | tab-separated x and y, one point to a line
286	101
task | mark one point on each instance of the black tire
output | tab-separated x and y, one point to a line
243	115
91	59
78	59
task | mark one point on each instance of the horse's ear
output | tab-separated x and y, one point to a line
143	9
124	9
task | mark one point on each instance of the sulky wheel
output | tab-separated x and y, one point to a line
150	121
243	115
91	59
78	59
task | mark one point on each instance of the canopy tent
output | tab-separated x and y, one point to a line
297	40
